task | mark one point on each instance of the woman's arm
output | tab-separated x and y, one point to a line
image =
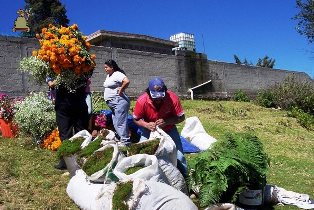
124	85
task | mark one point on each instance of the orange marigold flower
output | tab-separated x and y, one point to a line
74	27
34	53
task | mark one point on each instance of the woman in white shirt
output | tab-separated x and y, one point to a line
115	84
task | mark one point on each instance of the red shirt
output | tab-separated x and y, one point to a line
171	107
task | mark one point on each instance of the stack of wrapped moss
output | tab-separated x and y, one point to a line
91	160
235	162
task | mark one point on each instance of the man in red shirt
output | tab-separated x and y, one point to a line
160	107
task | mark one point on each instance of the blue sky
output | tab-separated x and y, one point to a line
250	29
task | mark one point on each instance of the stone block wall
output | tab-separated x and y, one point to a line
180	72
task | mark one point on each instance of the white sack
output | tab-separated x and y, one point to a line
86	194
167	148
151	170
302	201
194	131
161	196
173	176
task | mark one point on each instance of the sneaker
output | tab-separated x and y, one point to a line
61	165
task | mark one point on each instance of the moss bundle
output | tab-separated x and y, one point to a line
147	147
98	161
235	162
70	147
132	170
91	147
121	194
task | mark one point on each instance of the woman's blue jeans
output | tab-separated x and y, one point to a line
120	107
174	134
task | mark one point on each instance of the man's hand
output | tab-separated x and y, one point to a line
160	122
151	126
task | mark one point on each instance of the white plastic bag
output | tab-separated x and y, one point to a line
86	194
173	176
167	149
150	170
194	131
161	196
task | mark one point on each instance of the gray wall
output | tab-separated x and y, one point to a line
180	71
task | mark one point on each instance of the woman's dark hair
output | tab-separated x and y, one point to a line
112	64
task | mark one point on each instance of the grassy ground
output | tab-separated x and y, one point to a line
29	181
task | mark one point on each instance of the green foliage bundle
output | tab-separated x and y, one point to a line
35	67
241	96
235	162
35	116
70	147
121	193
97	161
132	170
91	147
147	147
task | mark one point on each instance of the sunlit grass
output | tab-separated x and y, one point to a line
29	181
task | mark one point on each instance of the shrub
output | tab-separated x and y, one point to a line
304	119
293	93
36	116
240	95
266	99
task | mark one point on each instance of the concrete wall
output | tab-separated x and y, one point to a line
180	71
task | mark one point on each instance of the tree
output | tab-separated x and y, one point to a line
238	61
45	12
266	62
306	18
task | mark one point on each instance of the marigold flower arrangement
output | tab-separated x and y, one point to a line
64	55
52	141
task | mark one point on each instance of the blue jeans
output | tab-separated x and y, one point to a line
174	134
120	107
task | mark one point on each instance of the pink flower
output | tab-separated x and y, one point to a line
100	120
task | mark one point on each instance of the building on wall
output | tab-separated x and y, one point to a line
185	41
130	41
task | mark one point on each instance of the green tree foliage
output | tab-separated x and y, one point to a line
305	18
266	62
244	62
261	62
45	12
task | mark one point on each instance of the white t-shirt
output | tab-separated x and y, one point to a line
112	83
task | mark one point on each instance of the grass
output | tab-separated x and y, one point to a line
29	181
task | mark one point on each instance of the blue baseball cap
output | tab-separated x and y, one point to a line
157	88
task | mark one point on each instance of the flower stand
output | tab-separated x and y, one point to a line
8	130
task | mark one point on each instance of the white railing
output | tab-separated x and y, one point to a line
191	89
